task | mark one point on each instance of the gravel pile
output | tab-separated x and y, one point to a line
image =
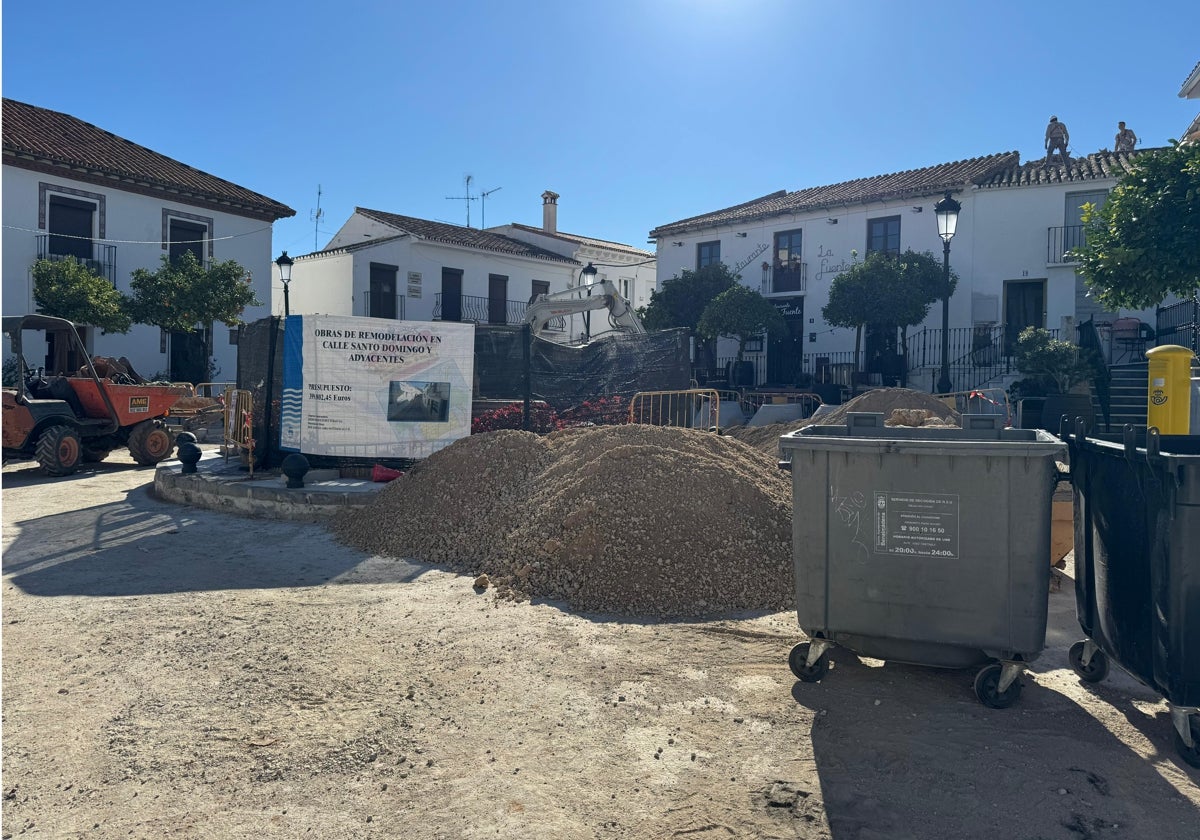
634	520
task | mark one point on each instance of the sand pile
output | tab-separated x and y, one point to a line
900	406
633	519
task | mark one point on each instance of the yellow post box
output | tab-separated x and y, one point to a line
1168	399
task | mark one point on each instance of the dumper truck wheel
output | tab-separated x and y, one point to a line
1189	754
798	662
150	443
987	682
59	450
1094	671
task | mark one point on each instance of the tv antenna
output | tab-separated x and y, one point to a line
316	216
468	198
483	206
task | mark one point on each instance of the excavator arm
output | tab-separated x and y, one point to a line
604	296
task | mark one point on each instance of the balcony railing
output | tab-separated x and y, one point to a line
790	278
977	354
1060	240
482	310
380	307
97	256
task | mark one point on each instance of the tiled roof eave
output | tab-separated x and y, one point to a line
858	192
579	239
449	243
443	233
925	191
146	186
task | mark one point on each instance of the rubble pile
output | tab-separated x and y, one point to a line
635	520
885	400
900	407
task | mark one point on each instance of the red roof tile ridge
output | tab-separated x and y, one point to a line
744	204
940	176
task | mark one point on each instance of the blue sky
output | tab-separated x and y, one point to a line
637	112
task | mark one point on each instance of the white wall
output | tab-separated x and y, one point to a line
315	288
1001	237
336	284
134	225
828	249
357	229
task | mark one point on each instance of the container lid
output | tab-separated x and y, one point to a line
980	434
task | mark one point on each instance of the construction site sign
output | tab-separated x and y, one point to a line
375	388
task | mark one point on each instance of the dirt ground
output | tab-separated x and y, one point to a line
171	672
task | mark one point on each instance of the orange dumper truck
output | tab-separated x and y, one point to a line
72	416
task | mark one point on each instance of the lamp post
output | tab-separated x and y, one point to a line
588	277
285	274
946	211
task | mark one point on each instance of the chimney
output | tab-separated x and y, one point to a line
550	212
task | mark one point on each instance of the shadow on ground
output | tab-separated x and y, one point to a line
145	547
893	741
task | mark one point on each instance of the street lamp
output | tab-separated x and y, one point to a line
285	274
588	277
946	211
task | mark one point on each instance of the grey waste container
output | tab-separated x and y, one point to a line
923	545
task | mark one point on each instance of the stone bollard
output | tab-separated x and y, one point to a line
188	452
294	466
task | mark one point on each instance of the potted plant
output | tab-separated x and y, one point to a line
1060	370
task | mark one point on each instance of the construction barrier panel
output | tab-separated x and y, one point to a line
690	408
239	423
980	401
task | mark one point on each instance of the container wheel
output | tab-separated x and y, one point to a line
95	454
1189	754
1094	671
987	681
798	662
59	450
150	443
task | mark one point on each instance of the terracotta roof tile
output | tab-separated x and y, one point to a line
44	140
464	236
1098	165
588	240
929	180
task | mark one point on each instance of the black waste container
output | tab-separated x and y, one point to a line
1137	566
923	545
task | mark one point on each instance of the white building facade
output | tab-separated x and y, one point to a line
385	265
1016	223
632	271
72	189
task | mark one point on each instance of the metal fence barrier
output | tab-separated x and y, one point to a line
980	401
752	401
677	408
213	390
